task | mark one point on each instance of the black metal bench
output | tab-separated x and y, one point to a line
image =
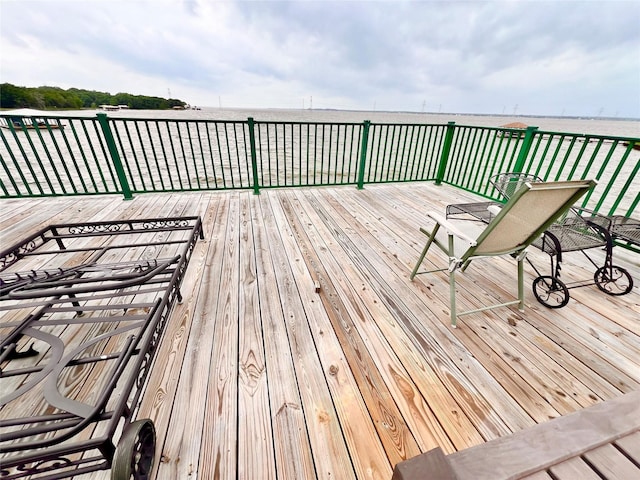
83	308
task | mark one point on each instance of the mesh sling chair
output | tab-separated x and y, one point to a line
505	183
578	230
527	214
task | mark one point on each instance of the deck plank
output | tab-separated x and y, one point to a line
159	401
436	339
255	438
611	463
392	349
630	445
183	438
293	450
574	468
315	353
436	399
219	444
353	367
259	375
340	299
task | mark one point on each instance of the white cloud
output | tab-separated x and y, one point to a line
472	56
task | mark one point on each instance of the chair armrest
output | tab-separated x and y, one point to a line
450	227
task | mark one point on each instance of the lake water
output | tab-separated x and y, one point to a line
596	126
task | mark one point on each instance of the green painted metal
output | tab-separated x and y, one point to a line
444	157
54	165
366	125
17	167
115	156
524	149
96	159
254	158
39	161
162	155
77	166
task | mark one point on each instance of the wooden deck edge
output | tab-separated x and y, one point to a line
531	450
432	465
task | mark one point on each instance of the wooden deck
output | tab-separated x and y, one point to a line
302	350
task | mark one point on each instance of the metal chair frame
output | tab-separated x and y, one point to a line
509	233
573	232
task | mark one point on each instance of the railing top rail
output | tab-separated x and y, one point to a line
587	135
537	131
290	122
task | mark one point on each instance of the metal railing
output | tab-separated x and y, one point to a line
50	156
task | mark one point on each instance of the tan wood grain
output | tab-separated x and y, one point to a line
574	468
250	301
183	436
292	447
218	449
314	350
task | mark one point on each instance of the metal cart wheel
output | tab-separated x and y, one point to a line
135	451
613	280
550	291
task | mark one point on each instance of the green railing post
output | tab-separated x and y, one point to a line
254	156
363	153
524	149
446	148
115	156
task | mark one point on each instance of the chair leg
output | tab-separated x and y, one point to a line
424	250
452	284
521	282
452	297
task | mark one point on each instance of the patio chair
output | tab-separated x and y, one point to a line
578	230
505	183
527	214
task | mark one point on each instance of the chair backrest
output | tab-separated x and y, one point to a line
526	215
509	183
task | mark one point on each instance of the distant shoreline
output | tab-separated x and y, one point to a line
466	114
339	110
594	126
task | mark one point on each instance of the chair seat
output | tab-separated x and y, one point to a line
465	233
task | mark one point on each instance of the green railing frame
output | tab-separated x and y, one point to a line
115	156
446	149
84	155
363	153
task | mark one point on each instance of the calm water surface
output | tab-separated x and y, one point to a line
598	126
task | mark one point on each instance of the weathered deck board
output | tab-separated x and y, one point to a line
219	445
190	374
260	376
255	438
292	452
566	447
436	343
314	350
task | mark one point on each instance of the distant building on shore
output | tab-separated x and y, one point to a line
513	126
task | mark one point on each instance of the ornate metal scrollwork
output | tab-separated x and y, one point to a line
118	308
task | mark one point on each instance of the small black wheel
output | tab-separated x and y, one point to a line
550	291
133	459
613	280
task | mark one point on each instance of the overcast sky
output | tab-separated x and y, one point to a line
524	57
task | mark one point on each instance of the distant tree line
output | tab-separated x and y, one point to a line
12	96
